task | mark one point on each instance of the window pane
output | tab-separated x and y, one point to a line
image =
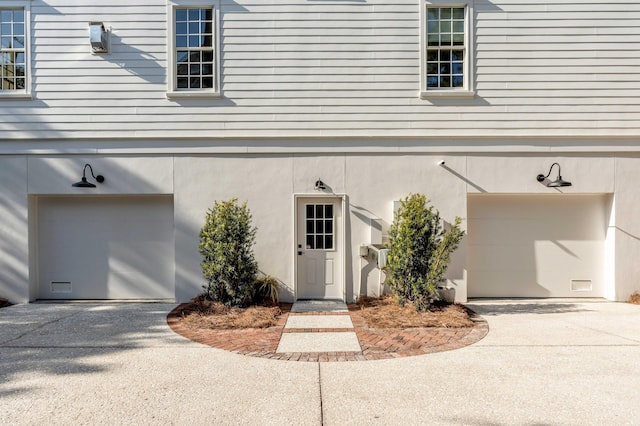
328	211
207	69
319	242
328	226
194	27
445	39
5	42
207	56
5	29
183	83
207	82
6	16
432	14
181	14
445	26
458	26
445	55
432	68
432	55
458	13
445	13
194	70
458	81
433	39
181	41
457	68
319	226
18	29
319	211
445	81
457	55
194	82
310	242
194	14
310	226
18	42
208	14
445	68
432	27
328	242
19	70
181	28
310	211
194	41
432	81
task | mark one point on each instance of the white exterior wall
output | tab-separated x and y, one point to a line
324	89
269	184
301	69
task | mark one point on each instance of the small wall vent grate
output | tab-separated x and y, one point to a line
60	287
581	285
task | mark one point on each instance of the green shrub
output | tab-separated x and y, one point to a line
226	244
419	251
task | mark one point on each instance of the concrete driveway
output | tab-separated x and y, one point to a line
543	362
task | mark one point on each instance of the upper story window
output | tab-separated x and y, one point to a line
446	49
194	52
14	64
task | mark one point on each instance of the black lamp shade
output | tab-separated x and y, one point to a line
83	184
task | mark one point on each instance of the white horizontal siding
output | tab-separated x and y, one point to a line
299	68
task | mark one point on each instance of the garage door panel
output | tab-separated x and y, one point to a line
494	231
106	247
508	284
534	246
494	257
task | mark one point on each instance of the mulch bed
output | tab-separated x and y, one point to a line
375	343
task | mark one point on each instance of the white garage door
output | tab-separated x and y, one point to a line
105	248
537	246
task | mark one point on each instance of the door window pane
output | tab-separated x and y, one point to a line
319	226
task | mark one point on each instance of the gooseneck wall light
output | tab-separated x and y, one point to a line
559	182
320	185
84	183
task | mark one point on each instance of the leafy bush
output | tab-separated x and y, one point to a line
226	244
419	251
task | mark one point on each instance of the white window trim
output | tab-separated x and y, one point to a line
26	92
172	92
468	90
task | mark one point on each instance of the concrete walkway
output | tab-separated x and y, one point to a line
555	363
327	328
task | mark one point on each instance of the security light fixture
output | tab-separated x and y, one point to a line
559	182
84	183
99	37
320	186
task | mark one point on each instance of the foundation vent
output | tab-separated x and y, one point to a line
581	285
60	286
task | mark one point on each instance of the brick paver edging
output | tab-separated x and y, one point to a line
375	343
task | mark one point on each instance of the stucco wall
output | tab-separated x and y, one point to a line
370	183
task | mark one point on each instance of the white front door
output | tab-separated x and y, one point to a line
319	251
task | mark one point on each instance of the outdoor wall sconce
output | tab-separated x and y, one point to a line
99	37
83	183
320	186
556	183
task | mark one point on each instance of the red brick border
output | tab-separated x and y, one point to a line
375	343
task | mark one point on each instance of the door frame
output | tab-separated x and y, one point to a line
342	238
